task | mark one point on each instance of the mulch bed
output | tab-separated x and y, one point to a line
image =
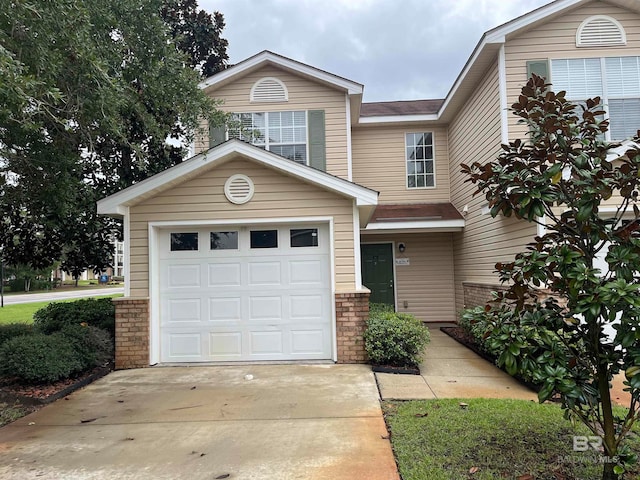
12	391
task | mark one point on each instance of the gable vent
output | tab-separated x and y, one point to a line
269	89
600	30
238	189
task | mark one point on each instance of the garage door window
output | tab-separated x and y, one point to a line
224	240
264	238
184	241
304	237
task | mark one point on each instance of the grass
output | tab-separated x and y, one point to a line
490	439
23	312
10	413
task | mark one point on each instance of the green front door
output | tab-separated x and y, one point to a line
377	272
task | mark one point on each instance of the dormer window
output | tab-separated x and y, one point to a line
600	31
269	89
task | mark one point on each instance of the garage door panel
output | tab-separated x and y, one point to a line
182	276
227	309
266	343
246	304
227	344
182	310
225	274
307	272
307	342
265	308
264	273
307	307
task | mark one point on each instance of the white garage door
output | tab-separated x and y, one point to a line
245	293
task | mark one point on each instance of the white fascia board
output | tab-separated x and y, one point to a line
415	225
352	88
114	204
621	150
432	117
498	36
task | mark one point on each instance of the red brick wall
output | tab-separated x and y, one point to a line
352	311
132	332
479	294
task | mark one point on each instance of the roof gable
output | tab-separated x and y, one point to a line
117	204
269	58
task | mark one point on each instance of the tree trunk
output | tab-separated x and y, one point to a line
76	278
609	437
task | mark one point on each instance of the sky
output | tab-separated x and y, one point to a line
398	49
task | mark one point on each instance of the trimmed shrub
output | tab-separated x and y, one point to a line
396	339
11	330
39	358
92	345
377	309
472	321
97	312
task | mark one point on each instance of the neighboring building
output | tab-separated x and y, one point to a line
116	271
269	251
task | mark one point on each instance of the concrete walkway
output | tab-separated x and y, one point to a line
253	422
63	295
450	370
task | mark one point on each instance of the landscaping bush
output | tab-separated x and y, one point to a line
92	345
11	330
377	309
97	312
396	339
472	322
39	358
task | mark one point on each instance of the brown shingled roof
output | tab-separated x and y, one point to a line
415	212
407	107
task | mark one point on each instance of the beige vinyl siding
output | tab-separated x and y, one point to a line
474	135
276	196
304	94
557	39
427	283
379	162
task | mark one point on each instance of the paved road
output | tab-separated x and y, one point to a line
52	296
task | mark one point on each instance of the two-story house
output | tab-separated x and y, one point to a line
269	242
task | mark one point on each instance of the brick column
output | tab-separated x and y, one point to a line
132	332
352	311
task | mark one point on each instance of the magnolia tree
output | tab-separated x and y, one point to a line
562	321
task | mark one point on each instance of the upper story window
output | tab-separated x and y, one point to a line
615	79
600	31
420	160
269	89
284	133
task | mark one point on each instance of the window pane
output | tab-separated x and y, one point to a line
623	76
420	182
411	168
419	167
428	138
419	153
429	152
411	153
286	119
307	237
625	118
430	180
579	77
411	181
184	241
429	167
410	142
264	239
299	119
224	240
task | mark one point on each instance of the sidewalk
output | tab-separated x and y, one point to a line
450	370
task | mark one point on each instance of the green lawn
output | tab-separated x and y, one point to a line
490	439
23	312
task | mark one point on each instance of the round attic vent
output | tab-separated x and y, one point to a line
238	189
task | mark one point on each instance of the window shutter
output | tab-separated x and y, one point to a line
317	151
539	67
217	135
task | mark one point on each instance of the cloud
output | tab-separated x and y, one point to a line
398	50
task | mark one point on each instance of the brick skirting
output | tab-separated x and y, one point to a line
352	311
479	294
132	332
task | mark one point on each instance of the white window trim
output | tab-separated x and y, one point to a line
406	161
266	143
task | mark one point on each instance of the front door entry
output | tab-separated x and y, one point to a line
377	272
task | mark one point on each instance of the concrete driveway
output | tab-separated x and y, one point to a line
287	422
